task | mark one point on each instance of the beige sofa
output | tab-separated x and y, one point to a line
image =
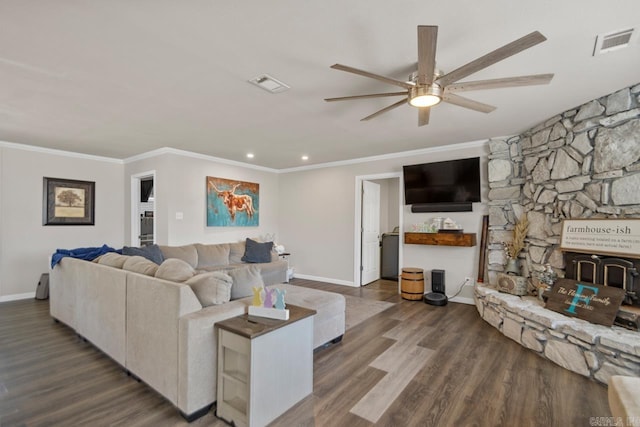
158	330
226	256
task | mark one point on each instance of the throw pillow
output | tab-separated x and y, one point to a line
236	252
212	255
187	253
112	259
244	279
175	270
139	264
257	252
211	288
151	252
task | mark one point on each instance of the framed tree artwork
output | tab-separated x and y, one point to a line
68	202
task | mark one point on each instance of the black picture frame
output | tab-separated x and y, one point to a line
68	202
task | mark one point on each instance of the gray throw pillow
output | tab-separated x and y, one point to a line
211	288
244	279
175	270
257	252
151	252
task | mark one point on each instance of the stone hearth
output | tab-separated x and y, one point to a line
595	351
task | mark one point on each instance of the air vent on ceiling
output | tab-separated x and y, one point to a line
268	83
613	41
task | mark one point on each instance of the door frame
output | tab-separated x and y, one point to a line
357	248
135	199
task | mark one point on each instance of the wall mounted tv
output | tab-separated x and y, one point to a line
449	186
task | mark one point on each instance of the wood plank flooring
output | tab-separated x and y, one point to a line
471	375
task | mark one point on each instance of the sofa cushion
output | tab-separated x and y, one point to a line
244	279
112	259
150	252
257	252
212	255
236	252
211	288
186	253
175	269
139	264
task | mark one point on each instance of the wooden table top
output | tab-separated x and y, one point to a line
254	326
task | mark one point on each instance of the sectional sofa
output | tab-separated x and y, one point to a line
158	329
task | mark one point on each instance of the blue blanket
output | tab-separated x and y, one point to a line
88	254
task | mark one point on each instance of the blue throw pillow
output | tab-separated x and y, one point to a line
257	252
150	252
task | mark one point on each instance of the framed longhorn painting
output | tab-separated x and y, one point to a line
68	202
232	203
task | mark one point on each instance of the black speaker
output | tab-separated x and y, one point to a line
442	207
437	281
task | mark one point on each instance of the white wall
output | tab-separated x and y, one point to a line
26	244
311	212
180	188
318	224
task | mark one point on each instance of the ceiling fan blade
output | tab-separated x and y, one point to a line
371	95
467	103
371	75
423	116
491	58
532	80
427	41
384	110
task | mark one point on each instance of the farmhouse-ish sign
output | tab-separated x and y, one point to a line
602	236
594	303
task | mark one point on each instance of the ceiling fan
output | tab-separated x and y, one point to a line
428	86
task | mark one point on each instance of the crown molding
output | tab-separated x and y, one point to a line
34	148
190	154
430	150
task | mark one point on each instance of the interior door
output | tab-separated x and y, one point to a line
370	259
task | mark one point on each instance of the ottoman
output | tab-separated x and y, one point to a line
329	321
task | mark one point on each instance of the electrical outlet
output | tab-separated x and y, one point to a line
469	281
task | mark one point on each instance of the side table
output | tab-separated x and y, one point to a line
265	366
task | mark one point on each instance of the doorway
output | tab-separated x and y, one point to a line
143	209
383	209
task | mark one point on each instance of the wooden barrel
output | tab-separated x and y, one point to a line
412	284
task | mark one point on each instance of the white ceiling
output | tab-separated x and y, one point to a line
120	78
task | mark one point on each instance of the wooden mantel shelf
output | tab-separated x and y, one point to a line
440	239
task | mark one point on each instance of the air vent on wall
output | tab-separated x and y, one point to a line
613	41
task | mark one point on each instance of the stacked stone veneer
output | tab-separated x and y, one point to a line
595	351
582	163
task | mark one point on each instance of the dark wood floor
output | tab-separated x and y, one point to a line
475	376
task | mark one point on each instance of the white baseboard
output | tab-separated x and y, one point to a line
325	279
16	297
463	300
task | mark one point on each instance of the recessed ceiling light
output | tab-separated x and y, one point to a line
250	156
305	157
270	84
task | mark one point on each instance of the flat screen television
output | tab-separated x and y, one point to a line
448	182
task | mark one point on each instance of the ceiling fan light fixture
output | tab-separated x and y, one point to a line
425	96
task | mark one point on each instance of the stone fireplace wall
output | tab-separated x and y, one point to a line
583	163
